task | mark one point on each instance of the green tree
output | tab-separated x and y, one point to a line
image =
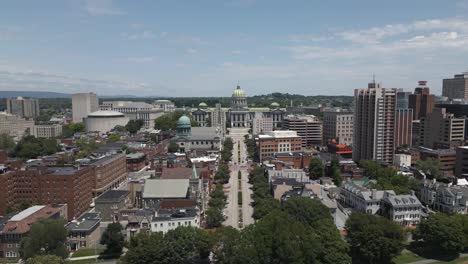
440	234
134	126
45	259
373	239
113	239
430	167
30	147
46	237
314	214
6	142
70	129
336	172
315	168
214	217
173	147
169	121
113	138
181	245
462	220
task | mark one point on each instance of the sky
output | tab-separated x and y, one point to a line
207	47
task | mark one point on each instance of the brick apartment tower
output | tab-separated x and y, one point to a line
421	101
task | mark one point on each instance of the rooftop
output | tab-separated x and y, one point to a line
112	196
204	133
21	223
85	222
106	113
166	188
137	155
279	134
62	170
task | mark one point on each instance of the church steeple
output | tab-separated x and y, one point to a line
194	173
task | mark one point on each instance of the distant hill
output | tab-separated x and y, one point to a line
34	94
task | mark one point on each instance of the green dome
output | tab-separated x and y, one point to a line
274	105
184	121
238	92
202	105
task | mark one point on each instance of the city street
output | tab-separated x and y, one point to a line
232	208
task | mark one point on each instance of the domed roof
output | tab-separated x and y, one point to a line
184	121
202	105
274	105
105	113
238	92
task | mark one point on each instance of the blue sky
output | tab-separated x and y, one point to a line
205	47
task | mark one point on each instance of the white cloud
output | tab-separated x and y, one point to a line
42	81
101	8
140	35
308	38
436	36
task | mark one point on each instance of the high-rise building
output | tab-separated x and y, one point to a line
47	131
82	105
421	101
403	127
456	87
261	123
23	107
441	130
308	127
374	123
338	125
15	126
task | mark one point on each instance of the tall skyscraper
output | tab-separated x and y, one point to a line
403	120
83	104
23	107
374	123
456	87
421	101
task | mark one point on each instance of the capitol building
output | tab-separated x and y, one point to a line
259	119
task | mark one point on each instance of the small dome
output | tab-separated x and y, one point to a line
106	113
202	105
184	121
274	105
238	92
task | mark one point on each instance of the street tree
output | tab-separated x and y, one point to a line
46	237
373	239
113	238
315	168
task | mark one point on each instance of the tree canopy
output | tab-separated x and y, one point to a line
6	142
113	238
46	237
30	147
134	126
169	121
70	129
388	178
373	239
430	167
315	168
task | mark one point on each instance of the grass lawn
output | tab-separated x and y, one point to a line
85	261
84	252
407	258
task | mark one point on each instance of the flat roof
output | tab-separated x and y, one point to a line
112	196
61	170
25	213
166	188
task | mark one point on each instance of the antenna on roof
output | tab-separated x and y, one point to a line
373	78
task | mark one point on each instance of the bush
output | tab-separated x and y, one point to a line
239	198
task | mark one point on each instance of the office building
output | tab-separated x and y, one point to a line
338	125
279	141
441	130
47	131
261	124
374	123
461	164
165	105
104	121
15	126
136	110
23	107
110	172
403	127
308	127
446	157
421	101
456	87
82	105
48	185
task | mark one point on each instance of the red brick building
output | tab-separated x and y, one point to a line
136	161
48	185
280	141
111	171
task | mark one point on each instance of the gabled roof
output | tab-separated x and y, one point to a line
166	188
